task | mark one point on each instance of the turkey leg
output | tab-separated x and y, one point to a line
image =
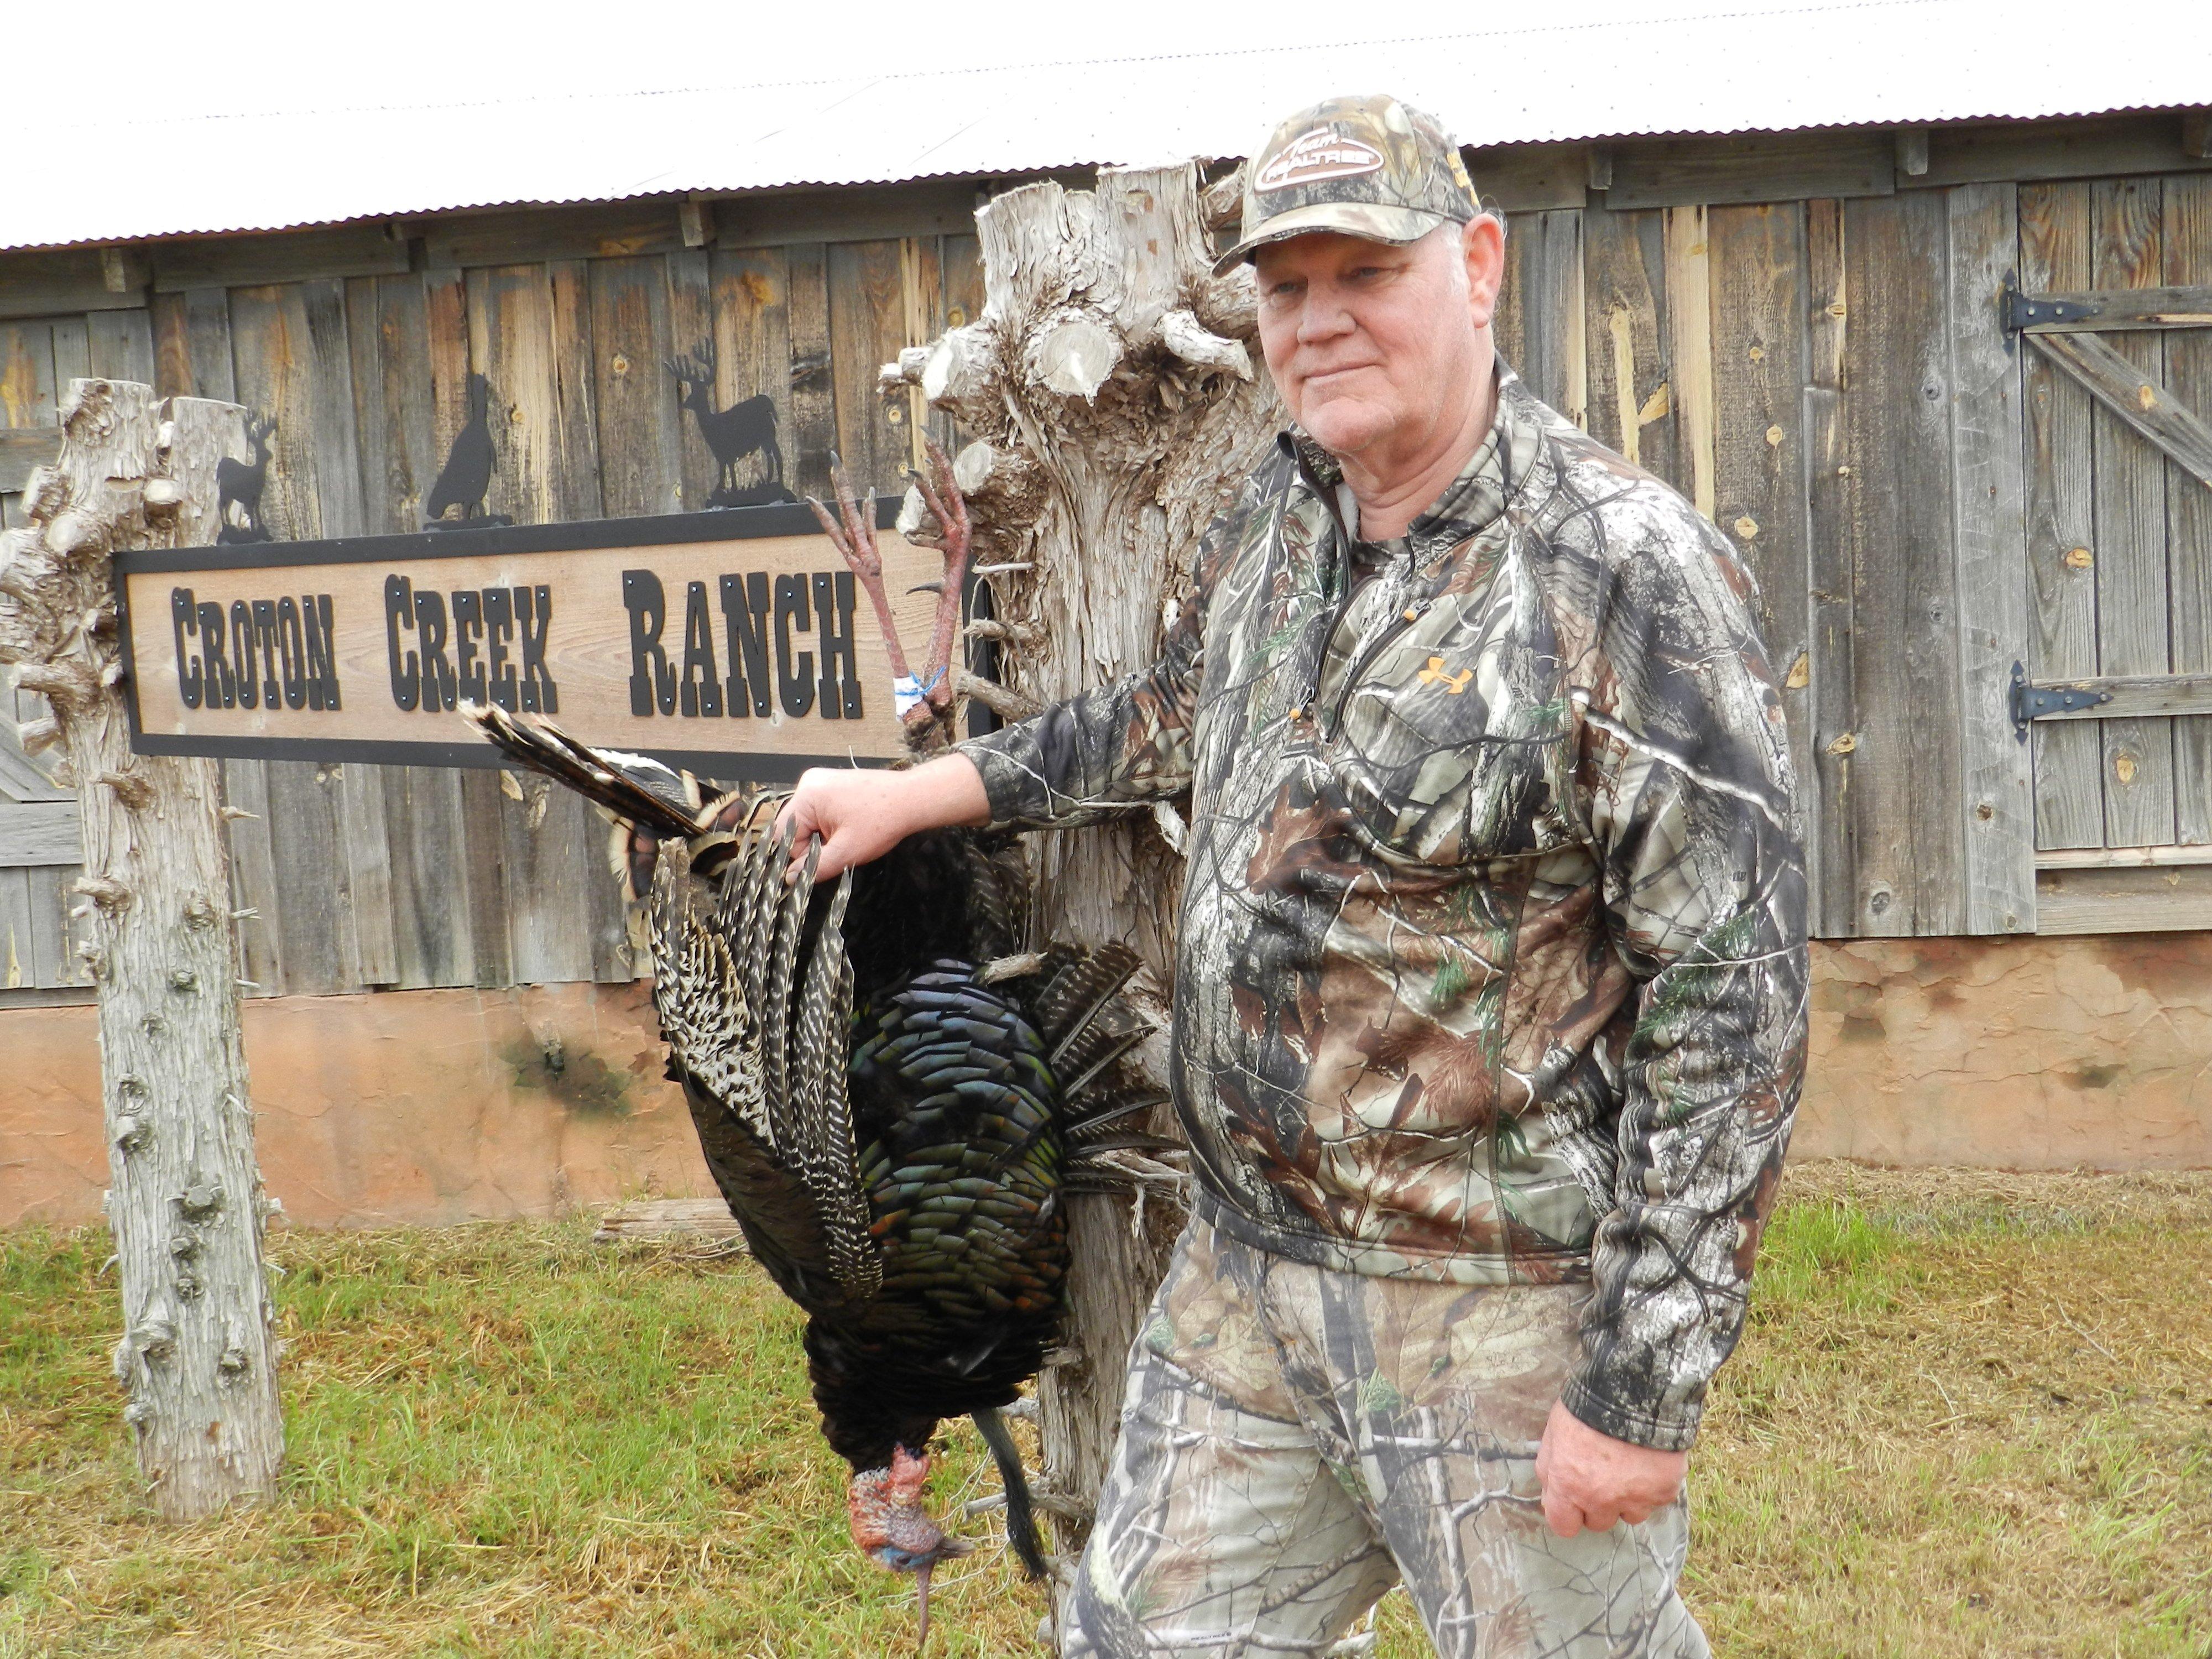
926	702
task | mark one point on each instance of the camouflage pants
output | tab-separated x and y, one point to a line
1294	1440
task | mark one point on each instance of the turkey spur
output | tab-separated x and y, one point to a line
893	1092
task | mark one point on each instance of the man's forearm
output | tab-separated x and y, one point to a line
945	793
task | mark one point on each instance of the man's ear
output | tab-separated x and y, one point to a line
1483	240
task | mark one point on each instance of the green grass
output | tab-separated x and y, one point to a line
1969	1416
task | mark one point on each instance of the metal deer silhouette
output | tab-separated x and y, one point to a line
745	427
240	484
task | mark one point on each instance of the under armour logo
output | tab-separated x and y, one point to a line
1434	675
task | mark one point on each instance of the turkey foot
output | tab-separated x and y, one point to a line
924	702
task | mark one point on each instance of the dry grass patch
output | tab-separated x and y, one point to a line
1972	1416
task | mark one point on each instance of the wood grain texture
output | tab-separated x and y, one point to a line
120	344
18	967
1990	533
1540	325
867	328
22	449
2137	398
2175	306
30	385
1897	521
1623	291
641	461
1780	167
2187	242
526	236
319	253
2021	151
1758	288
813	430
1690	349
1831	589
2135	696
2157	900
47	282
2126	244
2054	253
39	832
61	926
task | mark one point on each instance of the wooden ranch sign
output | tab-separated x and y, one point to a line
735	643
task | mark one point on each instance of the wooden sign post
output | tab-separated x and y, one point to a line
198	1351
731	644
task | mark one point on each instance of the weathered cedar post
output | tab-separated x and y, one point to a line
1112	390
198	1351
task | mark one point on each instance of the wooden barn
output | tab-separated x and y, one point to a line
1937	358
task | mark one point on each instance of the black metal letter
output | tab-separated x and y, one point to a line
221	682
701	691
468	629
322	652
745	606
794	673
264	635
499	630
398	613
833	611
185	620
651	679
533	608
439	685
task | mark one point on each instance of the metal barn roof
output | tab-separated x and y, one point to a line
1610	69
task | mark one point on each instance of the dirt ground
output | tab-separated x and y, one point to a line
1972	1415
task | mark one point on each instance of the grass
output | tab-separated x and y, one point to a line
1972	1416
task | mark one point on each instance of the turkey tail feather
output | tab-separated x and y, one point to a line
1021	1516
1079	992
629	786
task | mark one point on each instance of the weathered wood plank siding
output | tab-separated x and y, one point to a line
1804	342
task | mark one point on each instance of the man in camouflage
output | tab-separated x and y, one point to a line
1489	1010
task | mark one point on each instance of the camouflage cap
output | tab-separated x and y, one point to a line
1367	166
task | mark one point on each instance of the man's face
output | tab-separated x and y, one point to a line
1373	346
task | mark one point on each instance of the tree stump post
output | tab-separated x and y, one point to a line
1115	402
198	1352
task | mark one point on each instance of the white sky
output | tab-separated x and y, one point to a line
257	56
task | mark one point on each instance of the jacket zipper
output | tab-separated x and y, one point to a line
1405	620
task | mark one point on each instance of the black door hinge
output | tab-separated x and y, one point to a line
2018	311
2036	703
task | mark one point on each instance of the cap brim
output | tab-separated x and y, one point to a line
1368	221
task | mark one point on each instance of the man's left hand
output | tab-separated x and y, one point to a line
1591	1481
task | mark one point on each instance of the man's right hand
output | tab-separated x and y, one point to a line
861	815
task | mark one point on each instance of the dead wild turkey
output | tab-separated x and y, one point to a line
891	1088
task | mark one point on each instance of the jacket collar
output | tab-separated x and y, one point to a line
1470	504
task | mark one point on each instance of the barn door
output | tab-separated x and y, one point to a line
2113	315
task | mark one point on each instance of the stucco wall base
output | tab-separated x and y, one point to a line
2019	1053
434	1107
419	1108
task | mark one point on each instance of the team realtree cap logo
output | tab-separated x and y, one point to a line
1322	153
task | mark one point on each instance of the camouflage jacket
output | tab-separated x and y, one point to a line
1492	949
